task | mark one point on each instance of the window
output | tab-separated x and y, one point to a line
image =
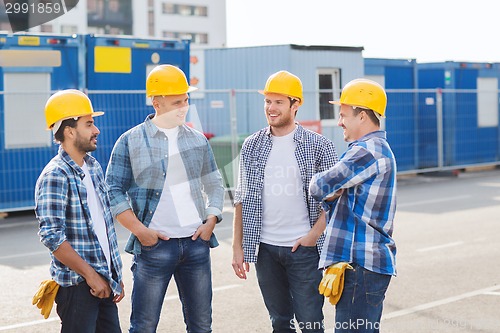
95	9
168	8
25	95
199	38
169	34
200	11
151	18
487	102
110	16
46	28
151	23
184	10
69	29
196	38
329	90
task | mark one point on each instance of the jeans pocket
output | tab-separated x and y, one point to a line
376	286
313	248
206	242
152	247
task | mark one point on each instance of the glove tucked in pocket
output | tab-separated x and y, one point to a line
332	283
45	296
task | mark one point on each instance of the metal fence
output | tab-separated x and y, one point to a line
428	130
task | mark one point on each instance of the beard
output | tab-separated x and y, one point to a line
85	145
283	121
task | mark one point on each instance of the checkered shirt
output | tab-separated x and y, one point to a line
314	153
64	215
361	221
138	167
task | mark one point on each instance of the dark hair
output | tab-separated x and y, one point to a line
370	113
59	136
292	101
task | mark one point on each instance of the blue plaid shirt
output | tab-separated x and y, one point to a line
137	171
63	214
361	220
314	153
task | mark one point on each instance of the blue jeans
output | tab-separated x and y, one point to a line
80	312
360	307
189	262
289	285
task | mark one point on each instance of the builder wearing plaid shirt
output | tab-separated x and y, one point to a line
63	214
360	194
75	221
277	224
166	189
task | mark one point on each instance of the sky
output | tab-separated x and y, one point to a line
425	30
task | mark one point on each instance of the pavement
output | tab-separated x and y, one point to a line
446	229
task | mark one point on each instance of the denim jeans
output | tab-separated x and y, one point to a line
80	312
289	285
360	307
189	262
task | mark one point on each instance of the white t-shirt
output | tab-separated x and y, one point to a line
96	209
284	217
176	215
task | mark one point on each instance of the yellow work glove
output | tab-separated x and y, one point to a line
332	283
45	296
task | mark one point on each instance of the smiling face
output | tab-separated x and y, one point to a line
171	110
350	121
279	113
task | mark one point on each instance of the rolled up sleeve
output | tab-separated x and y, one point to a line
119	177
50	203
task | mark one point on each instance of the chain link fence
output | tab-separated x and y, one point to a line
428	130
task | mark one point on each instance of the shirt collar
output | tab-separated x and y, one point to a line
371	135
152	130
73	165
297	137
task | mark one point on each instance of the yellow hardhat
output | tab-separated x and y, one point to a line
364	93
165	80
284	83
66	104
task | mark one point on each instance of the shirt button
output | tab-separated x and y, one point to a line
150	212
166	155
157	193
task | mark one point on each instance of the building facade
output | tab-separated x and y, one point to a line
203	21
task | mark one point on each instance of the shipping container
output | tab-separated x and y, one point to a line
31	68
469	130
111	69
399	78
323	70
115	76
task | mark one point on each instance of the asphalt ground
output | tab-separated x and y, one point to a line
447	232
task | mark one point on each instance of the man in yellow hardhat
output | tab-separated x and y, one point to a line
277	224
75	223
360	194
166	189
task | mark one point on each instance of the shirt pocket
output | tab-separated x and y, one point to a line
148	167
193	160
